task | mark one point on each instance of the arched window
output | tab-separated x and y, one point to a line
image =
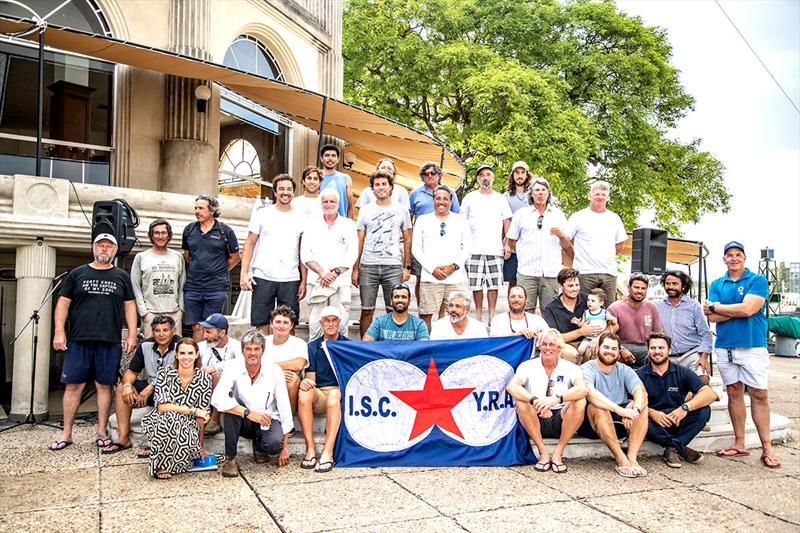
239	160
249	55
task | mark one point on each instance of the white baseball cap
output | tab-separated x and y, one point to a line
104	237
330	310
520	164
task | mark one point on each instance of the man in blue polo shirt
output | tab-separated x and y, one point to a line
398	325
320	394
674	422
211	251
736	303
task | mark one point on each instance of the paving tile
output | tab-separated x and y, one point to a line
484	489
569	517
793	444
672	509
42	436
74	519
775	496
132	482
427	525
29	460
790	461
587	478
293	474
713	469
47	490
357	503
124	457
209	512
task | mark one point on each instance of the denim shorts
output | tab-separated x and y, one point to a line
370	277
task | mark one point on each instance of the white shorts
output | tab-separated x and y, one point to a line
748	365
690	360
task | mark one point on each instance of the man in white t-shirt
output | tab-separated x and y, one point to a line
457	324
550	396
271	258
308	204
285	350
216	352
598	236
517	321
488	216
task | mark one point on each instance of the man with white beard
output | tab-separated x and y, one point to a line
456	324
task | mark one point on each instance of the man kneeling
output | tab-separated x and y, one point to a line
550	396
253	397
319	393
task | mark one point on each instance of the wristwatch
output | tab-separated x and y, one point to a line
560	399
246	413
636	408
407	267
337	270
711	308
685	407
455	266
533	399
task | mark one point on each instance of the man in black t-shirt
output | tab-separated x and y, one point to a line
96	299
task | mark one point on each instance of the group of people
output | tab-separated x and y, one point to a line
308	247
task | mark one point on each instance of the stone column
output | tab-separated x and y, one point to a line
35	269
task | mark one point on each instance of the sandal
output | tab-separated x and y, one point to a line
309	464
732	452
102	441
558	468
324	467
770	462
625	471
542	466
115	447
144	453
59	445
162	474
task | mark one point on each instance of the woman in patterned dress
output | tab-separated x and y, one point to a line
175	427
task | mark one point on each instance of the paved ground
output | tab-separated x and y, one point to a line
80	490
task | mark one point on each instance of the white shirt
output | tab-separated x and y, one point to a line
399	195
293	348
277	253
538	252
330	247
232	351
436	243
596	235
267	394
309	207
485	214
534	378
383	227
504	326
442	330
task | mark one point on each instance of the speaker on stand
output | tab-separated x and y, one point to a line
649	251
118	218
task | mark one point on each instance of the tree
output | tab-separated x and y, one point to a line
579	90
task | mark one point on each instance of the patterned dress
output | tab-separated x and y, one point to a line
175	438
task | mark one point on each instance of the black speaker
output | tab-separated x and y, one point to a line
649	251
118	218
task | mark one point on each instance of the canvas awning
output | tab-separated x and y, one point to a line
369	136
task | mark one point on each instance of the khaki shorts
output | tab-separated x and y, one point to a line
321	403
432	295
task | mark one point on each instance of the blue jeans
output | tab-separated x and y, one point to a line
679	436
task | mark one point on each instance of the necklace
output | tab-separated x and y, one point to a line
511	324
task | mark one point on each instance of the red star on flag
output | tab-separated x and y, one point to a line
433	404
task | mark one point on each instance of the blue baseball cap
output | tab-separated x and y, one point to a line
733	244
215	321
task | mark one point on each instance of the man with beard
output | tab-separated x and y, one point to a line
517	321
683	320
457	325
96	299
397	325
516	195
611	413
216	352
636	318
384	247
271	258
569	305
329	156
674	421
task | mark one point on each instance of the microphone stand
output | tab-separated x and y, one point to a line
30	419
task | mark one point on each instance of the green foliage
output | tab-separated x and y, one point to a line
579	90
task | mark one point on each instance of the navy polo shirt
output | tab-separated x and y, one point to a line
207	269
668	392
740	332
559	317
318	362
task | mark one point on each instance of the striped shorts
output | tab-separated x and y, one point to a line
485	270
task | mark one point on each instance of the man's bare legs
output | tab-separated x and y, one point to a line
759	409
491	296
529	419
738	413
69	404
571	418
332	421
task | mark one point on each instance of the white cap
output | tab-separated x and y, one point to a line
104	237
330	310
520	164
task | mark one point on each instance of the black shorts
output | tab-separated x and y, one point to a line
265	295
139	386
91	359
588	432
551	427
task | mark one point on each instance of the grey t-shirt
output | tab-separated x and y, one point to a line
515	202
383	226
616	385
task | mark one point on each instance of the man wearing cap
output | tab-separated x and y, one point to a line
320	394
598	236
216	352
736	303
158	275
488	216
516	195
398	325
211	251
535	235
97	298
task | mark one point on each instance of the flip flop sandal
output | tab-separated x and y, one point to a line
102	442
770	462
59	445
542	466
625	471
732	452
558	468
324	467
308	464
162	474
144	453
115	447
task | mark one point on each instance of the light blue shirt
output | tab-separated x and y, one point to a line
422	202
686	324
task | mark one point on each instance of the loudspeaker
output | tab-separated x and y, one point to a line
649	251
118	218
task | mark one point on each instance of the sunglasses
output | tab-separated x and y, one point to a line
401	286
442	229
549	390
539	222
430	173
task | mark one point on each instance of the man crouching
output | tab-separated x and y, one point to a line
253	397
550	396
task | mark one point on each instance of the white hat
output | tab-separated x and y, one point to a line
520	164
104	237
330	310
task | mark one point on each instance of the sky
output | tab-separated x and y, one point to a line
741	115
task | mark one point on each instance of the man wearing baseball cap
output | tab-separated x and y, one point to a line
217	351
736	302
516	195
96	299
320	394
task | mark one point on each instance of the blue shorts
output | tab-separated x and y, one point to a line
197	306
139	385
87	359
510	269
